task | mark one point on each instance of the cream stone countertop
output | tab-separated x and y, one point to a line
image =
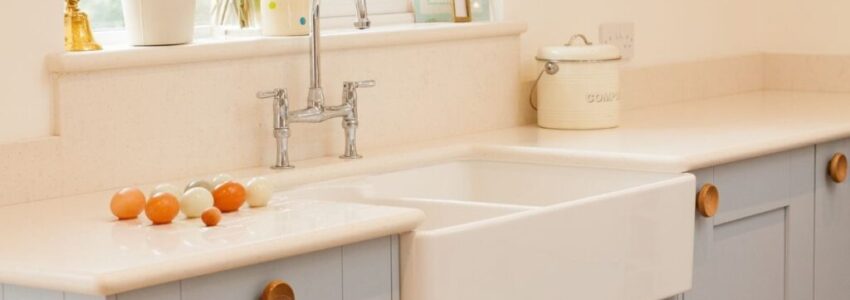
690	135
73	244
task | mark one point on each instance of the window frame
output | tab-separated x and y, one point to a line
335	14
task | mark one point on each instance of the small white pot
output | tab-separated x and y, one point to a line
159	22
285	18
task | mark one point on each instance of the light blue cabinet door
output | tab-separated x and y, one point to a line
832	227
361	271
367	270
168	291
314	276
759	245
14	292
9	291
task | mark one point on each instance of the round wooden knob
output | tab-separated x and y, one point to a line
278	290
708	199
838	167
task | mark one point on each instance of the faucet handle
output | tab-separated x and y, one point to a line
353	85
276	93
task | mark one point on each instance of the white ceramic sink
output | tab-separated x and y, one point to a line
504	230
504	183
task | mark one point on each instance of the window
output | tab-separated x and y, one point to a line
344	8
106	16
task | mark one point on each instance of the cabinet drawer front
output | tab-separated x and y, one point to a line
13	292
763	184
362	271
168	291
315	276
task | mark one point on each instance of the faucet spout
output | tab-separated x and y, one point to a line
315	97
315	41
362	21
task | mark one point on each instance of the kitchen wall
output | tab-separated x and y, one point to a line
678	31
807	27
131	126
666	31
142	125
29	30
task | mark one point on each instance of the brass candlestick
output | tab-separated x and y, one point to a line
78	36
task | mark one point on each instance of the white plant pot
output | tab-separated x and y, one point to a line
159	22
285	18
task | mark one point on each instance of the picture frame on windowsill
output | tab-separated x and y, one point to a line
430	11
462	11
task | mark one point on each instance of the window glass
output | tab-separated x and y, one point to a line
103	14
107	14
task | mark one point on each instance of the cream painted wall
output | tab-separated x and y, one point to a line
29	31
666	31
807	27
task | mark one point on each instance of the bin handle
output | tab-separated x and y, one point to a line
550	68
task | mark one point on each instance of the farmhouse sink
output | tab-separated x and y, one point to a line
513	230
505	182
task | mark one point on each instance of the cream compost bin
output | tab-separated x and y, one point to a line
521	230
579	86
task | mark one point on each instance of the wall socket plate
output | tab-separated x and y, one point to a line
621	35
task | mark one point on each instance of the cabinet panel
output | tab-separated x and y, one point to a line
367	270
14	292
168	291
753	186
759	246
751	262
800	223
396	266
832	227
315	276
69	296
362	271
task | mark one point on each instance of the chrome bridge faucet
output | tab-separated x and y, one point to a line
316	110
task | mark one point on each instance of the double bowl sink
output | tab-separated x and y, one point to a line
519	230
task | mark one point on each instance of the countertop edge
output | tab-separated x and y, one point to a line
204	264
744	152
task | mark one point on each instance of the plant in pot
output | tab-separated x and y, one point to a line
159	22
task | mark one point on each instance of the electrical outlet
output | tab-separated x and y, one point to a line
621	35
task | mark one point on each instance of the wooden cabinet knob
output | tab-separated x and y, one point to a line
278	290
708	199
838	167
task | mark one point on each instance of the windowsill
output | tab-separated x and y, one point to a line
118	57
